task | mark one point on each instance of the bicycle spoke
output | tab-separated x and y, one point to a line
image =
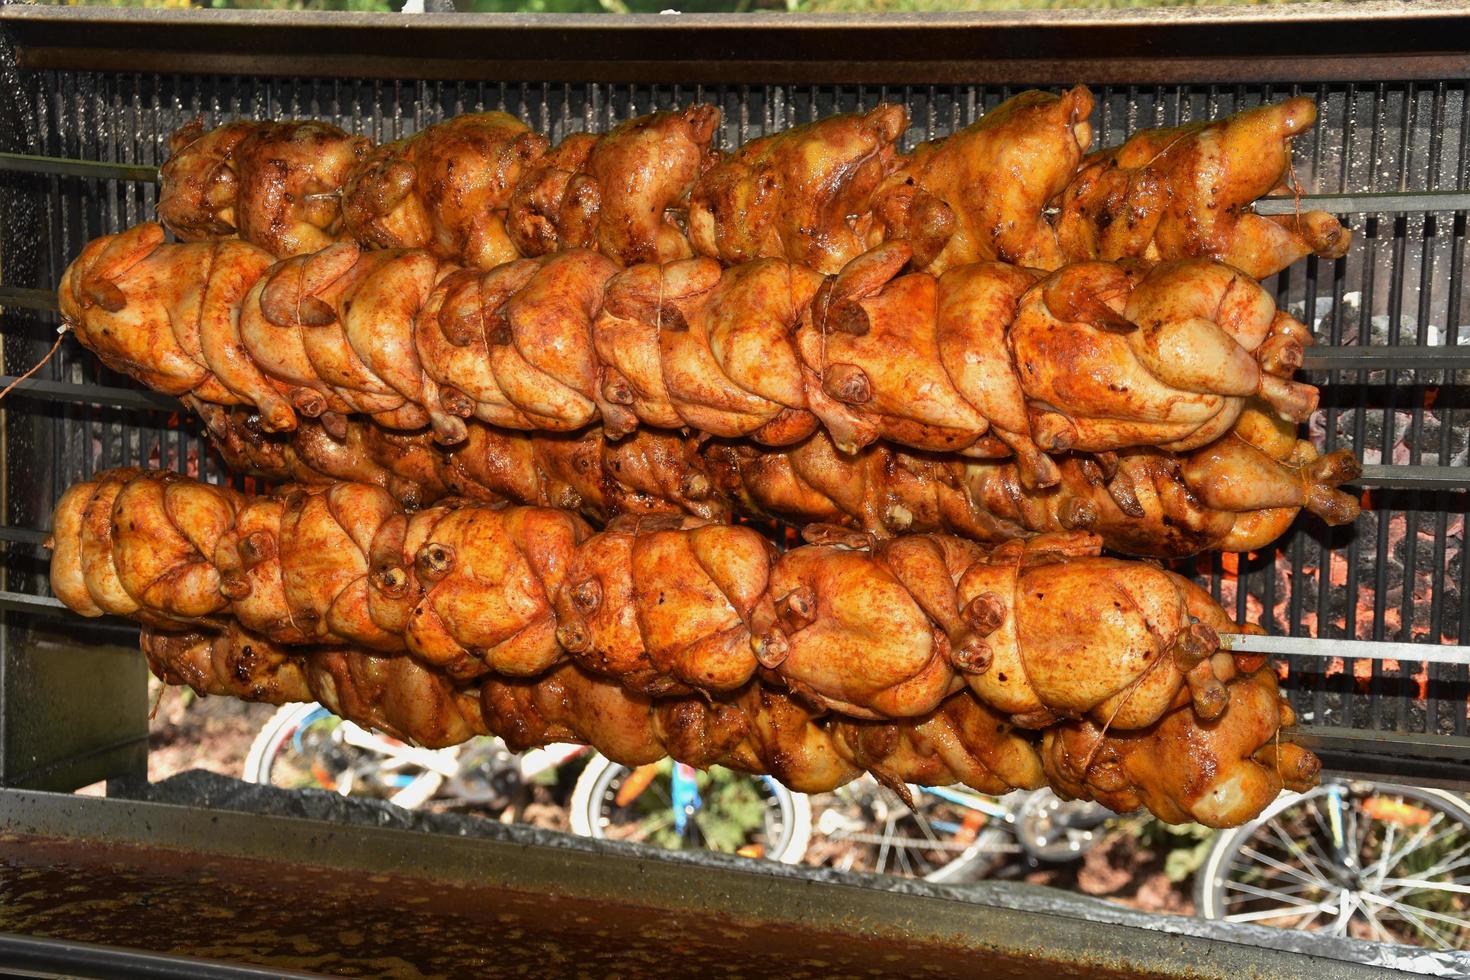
924	827
1387	863
1264	914
1381	934
1414	884
1306	923
1315	877
1451	862
1344	915
1254	892
1415	917
1300	853
1402	908
903	860
884	848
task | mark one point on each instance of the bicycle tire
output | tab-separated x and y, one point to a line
1209	890
587	793
267	742
283	723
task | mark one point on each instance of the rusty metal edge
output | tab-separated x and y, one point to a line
918	913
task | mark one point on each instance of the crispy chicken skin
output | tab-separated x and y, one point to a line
1220	772
446	189
981	194
665	604
804	194
624	193
757	729
274	184
1230	495
1095	357
1187	192
481	189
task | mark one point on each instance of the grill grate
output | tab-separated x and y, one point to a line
1400	574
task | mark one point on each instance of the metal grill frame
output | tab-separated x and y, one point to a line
96	93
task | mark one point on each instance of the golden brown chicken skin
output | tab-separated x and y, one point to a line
1040	630
804	194
1221	773
445	189
624	193
274	184
1096	357
1187	192
982	193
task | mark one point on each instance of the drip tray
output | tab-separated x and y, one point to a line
361	894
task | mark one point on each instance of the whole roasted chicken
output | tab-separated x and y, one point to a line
982	194
1039	631
274	184
1187	192
624	193
480	189
1223	777
446	189
984	360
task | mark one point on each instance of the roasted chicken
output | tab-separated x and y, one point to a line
1187	192
624	193
481	189
757	729
446	189
981	194
1185	769
1220	772
274	184
1040	631
804	194
1095	357
1230	496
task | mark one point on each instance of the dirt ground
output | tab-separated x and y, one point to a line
189	732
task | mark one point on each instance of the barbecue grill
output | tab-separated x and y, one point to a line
1370	622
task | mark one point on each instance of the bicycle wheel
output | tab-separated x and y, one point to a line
305	746
1360	859
947	837
752	815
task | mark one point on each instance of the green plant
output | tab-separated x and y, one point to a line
733	811
1184	846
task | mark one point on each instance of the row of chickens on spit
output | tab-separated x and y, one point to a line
515	393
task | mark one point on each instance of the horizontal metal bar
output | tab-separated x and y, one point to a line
65	391
29	299
67	957
1412	758
1401	41
99	169
1347	649
1418	744
23	535
1429	358
20	602
1391	202
1415	477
